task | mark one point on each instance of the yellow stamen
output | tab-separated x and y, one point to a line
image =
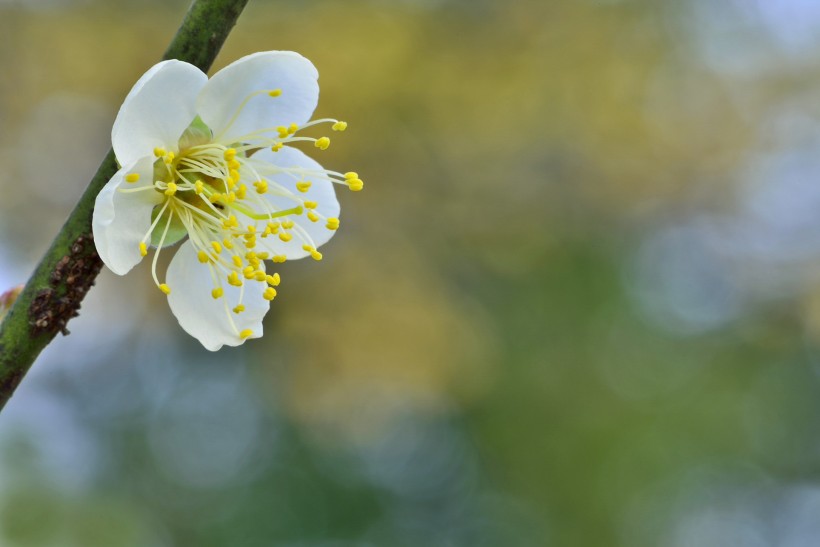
143	249
273	280
279	258
165	288
332	223
172	189
275	92
269	294
339	126
303	186
132	177
247	333
217	293
322	143
239	309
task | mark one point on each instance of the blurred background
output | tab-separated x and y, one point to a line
577	304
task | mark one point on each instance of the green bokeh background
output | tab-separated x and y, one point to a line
576	304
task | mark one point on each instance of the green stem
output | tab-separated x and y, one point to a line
67	271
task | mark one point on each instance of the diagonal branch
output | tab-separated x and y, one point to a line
67	271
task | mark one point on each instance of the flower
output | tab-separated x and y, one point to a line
212	160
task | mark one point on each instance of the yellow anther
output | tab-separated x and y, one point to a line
234	175
217	247
239	309
217	293
248	272
355	185
269	294
169	158
332	223
339	126
165	288
229	154
316	255
247	333
311	205
132	177
231	196
293	128
199	187
283	131
303	186
322	143
274	226
237	261
259	275
251	229
242	191
215	197
143	249
276	147
227	243
308	248
159	152
230	222
234	164
275	92
261	186
279	258
172	189
351	175
233	279
273	280
312	216
287	224
285	236
263	255
203	257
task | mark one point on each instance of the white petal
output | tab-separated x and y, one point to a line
225	92
159	107
209	320
121	220
321	191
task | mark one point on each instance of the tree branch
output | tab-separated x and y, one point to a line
67	271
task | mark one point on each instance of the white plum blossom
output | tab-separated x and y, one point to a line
212	160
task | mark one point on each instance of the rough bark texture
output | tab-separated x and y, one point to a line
67	271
